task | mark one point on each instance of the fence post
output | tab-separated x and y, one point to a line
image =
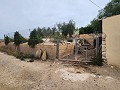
57	50
76	49
86	57
97	45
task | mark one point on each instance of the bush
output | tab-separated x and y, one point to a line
69	40
7	50
20	56
32	56
97	60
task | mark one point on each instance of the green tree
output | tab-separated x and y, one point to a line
40	34
17	38
112	8
94	25
81	30
34	39
53	31
49	32
63	28
71	27
7	40
44	32
17	41
67	28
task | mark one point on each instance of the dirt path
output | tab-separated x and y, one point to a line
21	75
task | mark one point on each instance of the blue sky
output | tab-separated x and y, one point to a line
25	14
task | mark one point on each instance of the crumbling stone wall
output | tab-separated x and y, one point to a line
50	48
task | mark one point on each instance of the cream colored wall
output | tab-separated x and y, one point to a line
111	27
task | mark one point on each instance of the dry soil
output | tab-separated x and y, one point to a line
21	75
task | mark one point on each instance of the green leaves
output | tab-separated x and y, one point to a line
67	28
7	40
112	8
18	39
91	28
34	39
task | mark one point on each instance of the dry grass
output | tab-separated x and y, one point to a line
6	49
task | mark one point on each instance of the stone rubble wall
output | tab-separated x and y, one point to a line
50	48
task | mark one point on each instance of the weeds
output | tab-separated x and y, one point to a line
20	56
7	50
97	60
69	40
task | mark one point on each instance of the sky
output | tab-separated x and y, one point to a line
21	15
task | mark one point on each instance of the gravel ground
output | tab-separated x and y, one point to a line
21	75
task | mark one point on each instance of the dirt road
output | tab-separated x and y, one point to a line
21	75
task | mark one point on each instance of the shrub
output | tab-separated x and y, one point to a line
20	56
7	50
97	60
70	40
32	56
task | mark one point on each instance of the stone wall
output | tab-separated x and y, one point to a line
66	49
50	48
25	49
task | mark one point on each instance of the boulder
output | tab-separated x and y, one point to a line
44	55
38	54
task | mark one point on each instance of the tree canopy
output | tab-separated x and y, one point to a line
112	8
18	39
7	40
67	28
34	38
